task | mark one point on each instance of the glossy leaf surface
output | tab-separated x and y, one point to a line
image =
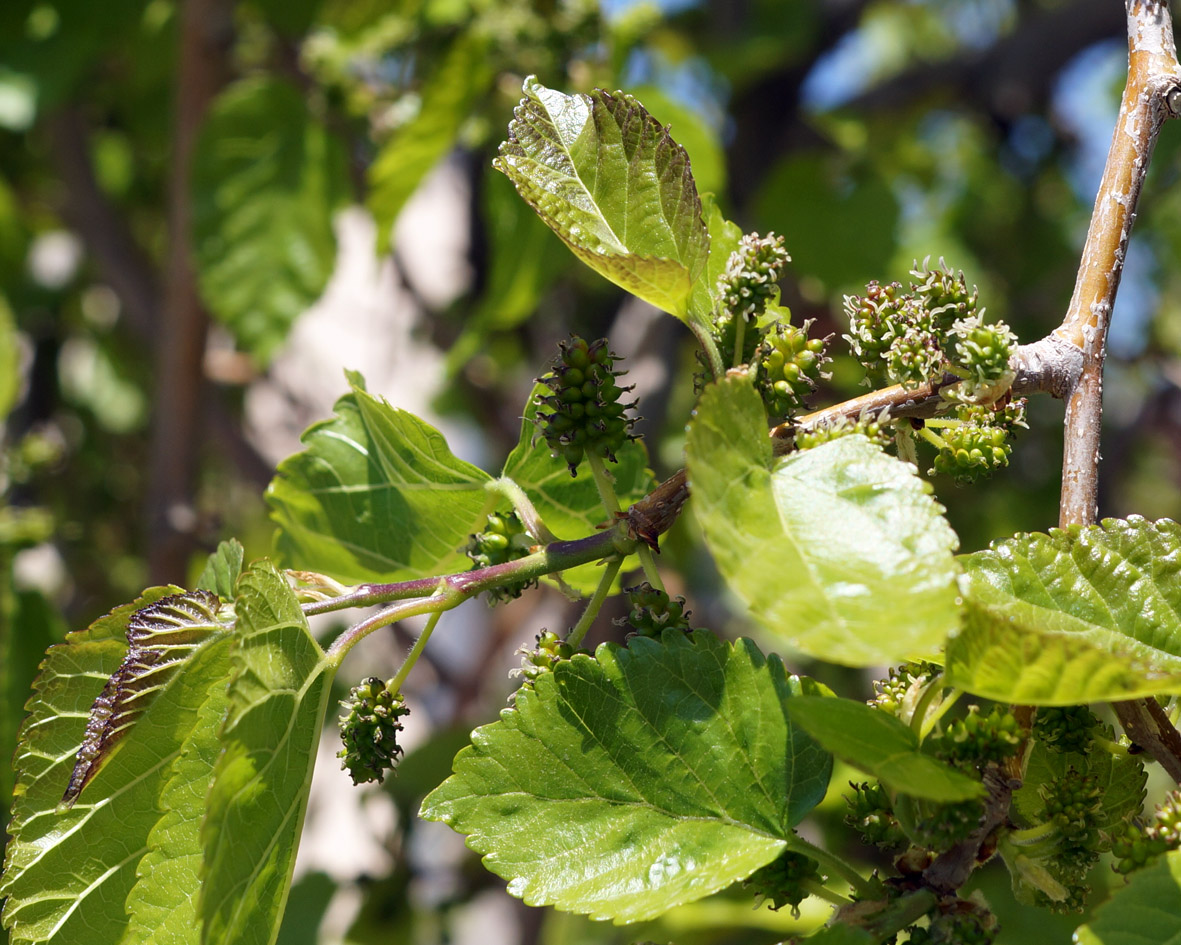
255	808
612	183
68	872
879	744
267	179
376	496
644	778
1081	615
839	551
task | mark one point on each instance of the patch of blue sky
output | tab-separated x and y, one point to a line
691	82
613	9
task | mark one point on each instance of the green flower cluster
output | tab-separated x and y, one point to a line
899	692
871	815
549	650
977	739
879	430
977	441
653	611
909	337
1065	728
583	414
503	539
789	368
1136	845
782	882
750	281
369	730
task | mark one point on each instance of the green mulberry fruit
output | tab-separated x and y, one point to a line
943	293
871	816
653	611
549	650
750	281
980	354
583	414
1136	845
1065	728
783	882
503	539
979	739
789	368
369	730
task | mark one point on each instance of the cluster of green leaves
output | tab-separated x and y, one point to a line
641	777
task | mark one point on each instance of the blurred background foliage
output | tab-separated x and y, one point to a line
180	183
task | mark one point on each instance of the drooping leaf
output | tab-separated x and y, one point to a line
724	237
644	778
255	808
160	639
839	550
612	183
1145	912
163	903
570	505
463	75
879	744
267	178
376	496
222	569
1078	615
68	872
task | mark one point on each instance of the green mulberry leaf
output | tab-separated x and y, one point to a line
1145	912
255	809
612	183
68	870
376	496
222	569
267	178
879	744
1076	615
644	778
839	551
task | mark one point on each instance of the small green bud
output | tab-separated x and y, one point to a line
871	816
979	739
503	539
653	611
750	280
1065	728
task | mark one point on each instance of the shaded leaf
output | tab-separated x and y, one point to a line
839	550
724	237
267	178
405	159
67	873
376	496
255	808
1078	615
1145	912
644	778
570	505
612	183
222	569
879	744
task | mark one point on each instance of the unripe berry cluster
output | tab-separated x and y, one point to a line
1065	728
369	730
789	368
979	739
782	881
878	430
938	827
1136	845
653	611
503	539
583	414
1072	805
871	815
980	354
899	691
549	650
978	441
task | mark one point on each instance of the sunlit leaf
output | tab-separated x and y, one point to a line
1145	912
267	178
644	778
68	872
376	496
612	183
10	375
1078	615
463	75
724	237
255	809
839	551
879	744
1120	779
220	575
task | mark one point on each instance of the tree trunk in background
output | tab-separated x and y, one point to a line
206	30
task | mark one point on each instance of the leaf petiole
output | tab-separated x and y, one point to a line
574	637
832	864
395	684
